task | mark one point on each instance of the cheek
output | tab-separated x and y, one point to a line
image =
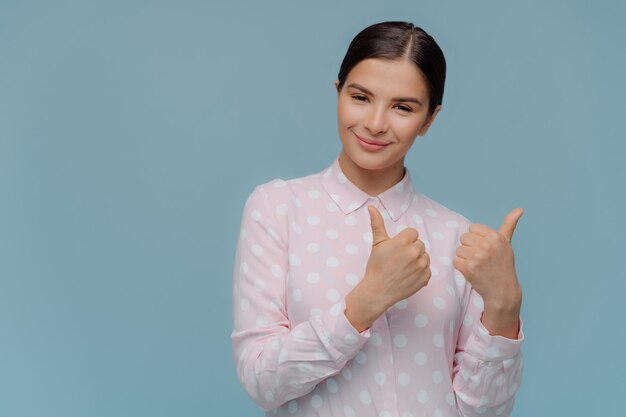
341	114
347	115
408	128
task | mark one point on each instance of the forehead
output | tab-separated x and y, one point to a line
389	77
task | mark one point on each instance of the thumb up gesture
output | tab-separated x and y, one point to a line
397	267
485	257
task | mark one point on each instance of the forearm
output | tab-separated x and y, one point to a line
487	388
275	368
501	315
363	307
487	367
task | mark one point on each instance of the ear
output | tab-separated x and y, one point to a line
337	86
429	122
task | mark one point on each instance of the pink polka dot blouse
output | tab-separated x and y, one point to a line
304	244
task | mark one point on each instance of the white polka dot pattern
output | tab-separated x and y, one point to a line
304	244
332	385
380	378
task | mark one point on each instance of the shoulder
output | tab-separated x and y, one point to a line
434	211
274	203
281	193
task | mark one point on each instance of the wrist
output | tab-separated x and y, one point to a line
362	307
502	319
506	302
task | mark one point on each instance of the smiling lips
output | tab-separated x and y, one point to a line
370	145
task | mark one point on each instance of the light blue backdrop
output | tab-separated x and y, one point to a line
131	133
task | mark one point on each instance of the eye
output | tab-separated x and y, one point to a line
404	108
359	98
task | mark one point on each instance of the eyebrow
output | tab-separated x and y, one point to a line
366	91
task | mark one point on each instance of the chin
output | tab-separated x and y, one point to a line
369	161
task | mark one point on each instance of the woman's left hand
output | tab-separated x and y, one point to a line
486	259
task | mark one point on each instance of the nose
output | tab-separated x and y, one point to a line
375	120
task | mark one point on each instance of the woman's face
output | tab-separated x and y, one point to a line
384	102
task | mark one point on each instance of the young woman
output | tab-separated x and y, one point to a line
356	295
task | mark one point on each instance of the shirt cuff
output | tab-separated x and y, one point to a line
338	335
489	348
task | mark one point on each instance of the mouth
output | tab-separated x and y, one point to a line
369	144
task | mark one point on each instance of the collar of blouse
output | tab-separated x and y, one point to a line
349	197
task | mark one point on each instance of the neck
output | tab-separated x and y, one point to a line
372	181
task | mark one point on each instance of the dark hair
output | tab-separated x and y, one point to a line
396	40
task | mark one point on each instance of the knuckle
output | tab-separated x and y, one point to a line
494	237
406	237
408	232
472	265
426	280
420	264
456	263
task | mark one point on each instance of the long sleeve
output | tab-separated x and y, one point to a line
277	360
304	245
487	369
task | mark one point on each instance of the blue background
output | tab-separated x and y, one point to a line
131	133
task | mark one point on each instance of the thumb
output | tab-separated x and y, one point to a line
379	233
510	222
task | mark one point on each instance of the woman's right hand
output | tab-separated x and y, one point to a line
397	268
